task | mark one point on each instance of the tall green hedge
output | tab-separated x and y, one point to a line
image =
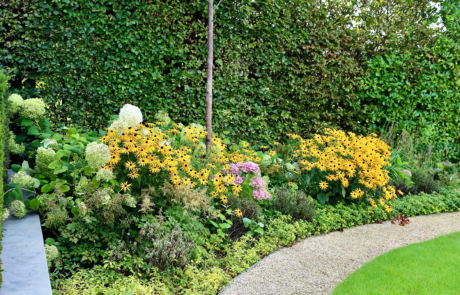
3	130
280	65
419	89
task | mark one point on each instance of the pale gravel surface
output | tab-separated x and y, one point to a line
318	264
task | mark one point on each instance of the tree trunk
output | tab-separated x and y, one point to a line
209	78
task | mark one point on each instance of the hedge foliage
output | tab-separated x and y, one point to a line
3	131
280	65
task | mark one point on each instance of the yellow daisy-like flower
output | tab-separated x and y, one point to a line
272	153
224	199
246	144
214	194
372	202
290	183
401	193
238	213
130	165
382	201
388	208
237	189
323	185
133	175
125	186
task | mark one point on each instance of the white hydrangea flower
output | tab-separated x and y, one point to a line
14	103
163	117
18	208
33	108
51	253
97	154
6	213
266	161
82	185
104	174
130	115
24	180
44	157
119	125
14	147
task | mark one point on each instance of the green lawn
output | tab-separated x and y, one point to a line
431	267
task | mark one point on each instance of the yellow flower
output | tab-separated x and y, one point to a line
372	202
238	213
272	153
133	175
388	208
245	144
323	185
237	189
382	201
401	193
125	186
290	183
224	199
130	165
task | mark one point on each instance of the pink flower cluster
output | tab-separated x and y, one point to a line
258	183
260	194
407	172
238	180
251	167
234	169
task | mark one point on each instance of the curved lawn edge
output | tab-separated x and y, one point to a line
429	267
264	275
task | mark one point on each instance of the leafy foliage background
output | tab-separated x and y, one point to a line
280	65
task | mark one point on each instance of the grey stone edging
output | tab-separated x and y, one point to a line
23	256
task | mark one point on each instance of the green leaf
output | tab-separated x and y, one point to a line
226	141
259	231
34	204
55	164
49	241
322	198
75	211
225	225
15	168
65	188
25	165
71	204
247	222
33	131
46	122
60	170
18	194
47	188
61	153
213	223
344	193
27	122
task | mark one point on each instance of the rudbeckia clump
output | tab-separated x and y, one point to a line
345	165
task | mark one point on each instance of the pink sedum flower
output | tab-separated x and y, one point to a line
260	194
238	180
249	167
258	183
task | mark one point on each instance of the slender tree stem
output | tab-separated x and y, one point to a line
209	78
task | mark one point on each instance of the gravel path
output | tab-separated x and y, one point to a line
318	264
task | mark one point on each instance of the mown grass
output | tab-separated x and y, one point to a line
431	267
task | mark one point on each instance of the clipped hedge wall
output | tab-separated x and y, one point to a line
3	131
280	65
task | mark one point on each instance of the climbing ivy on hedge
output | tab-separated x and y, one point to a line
280	65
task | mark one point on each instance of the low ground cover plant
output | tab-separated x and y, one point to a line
144	203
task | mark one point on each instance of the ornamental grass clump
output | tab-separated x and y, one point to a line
345	165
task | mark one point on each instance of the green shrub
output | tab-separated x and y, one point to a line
263	87
294	203
3	132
